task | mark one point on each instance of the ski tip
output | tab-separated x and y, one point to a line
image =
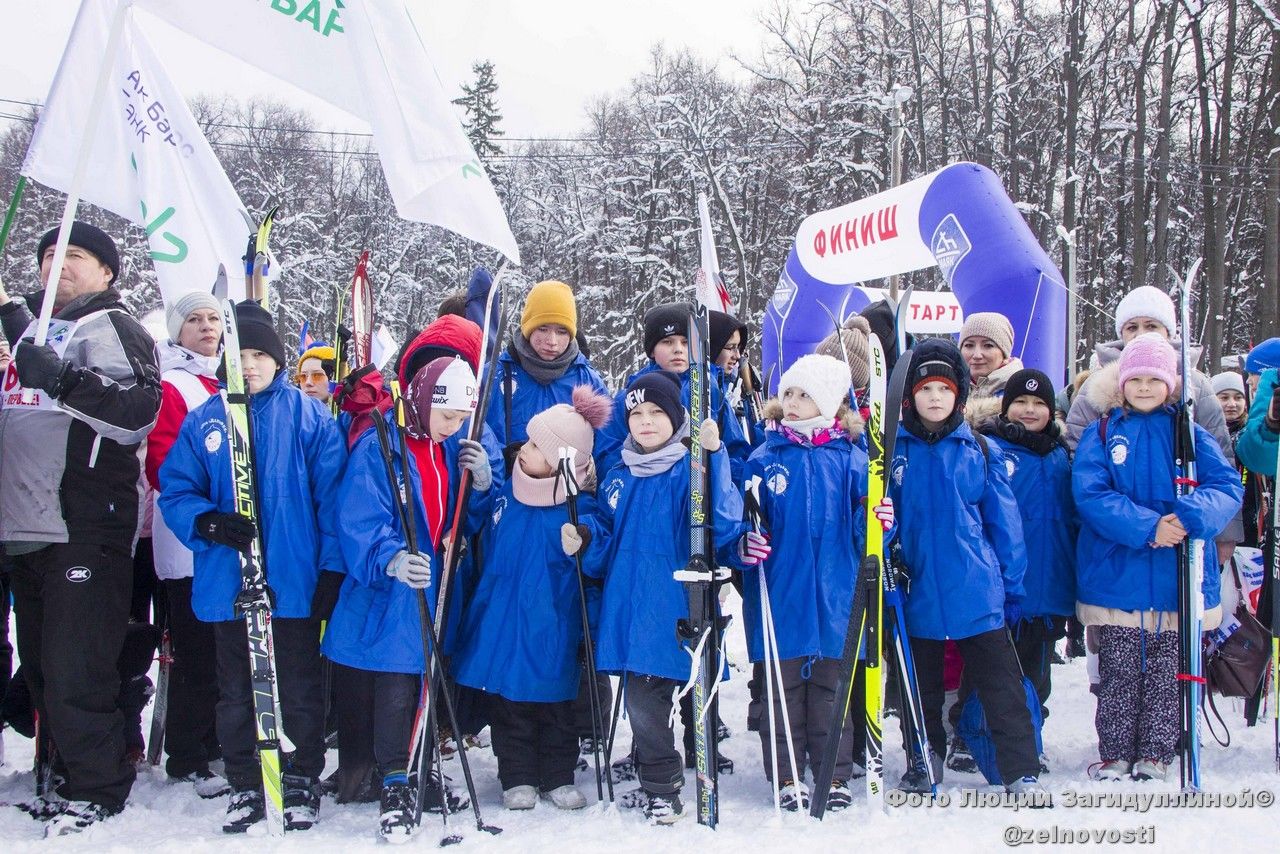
491	829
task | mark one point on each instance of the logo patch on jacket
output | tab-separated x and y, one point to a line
898	469
498	507
613	492
776	478
78	574
1011	465
1119	450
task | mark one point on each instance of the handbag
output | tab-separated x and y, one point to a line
1235	668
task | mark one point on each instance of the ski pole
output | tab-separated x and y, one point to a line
12	213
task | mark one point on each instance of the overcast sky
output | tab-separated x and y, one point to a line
550	56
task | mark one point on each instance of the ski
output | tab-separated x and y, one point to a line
360	306
160	711
1190	571
698	632
254	599
257	261
874	682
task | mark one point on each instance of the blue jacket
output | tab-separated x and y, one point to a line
375	625
523	626
529	397
1256	445
639	536
806	497
960	532
1042	487
298	458
609	438
1122	490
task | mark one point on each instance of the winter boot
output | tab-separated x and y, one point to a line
663	809
1111	770
301	802
917	777
840	797
565	798
1150	769
1044	763
456	801
208	785
395	818
624	770
632	799
520	798
245	808
586	754
960	759
793	797
723	733
1035	795
76	816
724	765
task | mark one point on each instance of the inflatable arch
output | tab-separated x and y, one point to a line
958	219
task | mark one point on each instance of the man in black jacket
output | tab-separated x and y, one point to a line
73	414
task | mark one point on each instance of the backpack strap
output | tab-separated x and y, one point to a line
1102	428
506	399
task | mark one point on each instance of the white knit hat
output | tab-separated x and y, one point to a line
1147	301
177	313
1227	381
824	378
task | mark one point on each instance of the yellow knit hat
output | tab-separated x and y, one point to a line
549	302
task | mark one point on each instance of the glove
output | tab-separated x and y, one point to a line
325	599
227	529
573	539
40	367
1012	611
754	549
473	458
414	570
1273	411
733	395
884	512
710	434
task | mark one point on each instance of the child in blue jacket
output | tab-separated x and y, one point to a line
1021	424
523	627
637	538
376	625
813	502
1127	579
962	543
298	459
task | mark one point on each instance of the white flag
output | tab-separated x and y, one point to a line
708	286
149	160
368	59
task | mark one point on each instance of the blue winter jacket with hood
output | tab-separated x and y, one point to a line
529	397
298	460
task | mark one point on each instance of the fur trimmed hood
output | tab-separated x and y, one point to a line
850	420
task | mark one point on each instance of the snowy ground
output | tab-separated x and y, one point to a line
165	817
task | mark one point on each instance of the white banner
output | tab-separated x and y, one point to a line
149	160
708	285
368	59
869	239
930	312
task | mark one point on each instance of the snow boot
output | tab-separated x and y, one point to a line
959	758
793	797
586	754
75	817
245	808
520	798
301	802
1029	788
457	801
1111	770
663	809
917	777
395	816
1150	769
724	765
723	733
208	785
632	799
840	797
565	798
1044	763
624	770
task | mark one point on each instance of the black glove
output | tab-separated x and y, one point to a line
227	529
325	598
1273	411
40	367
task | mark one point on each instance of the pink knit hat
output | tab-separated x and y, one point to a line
1149	355
571	426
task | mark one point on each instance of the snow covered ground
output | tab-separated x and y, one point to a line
165	817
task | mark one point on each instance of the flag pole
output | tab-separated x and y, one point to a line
82	165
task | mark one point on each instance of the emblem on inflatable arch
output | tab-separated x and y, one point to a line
950	244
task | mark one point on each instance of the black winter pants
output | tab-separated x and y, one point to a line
810	690
536	743
991	665
72	607
301	689
190	737
395	702
653	739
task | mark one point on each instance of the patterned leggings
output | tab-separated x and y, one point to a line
1138	715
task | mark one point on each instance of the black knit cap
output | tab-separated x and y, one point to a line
880	317
662	320
1028	381
657	387
939	358
87	237
722	327
258	331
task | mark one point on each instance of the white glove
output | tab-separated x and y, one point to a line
414	570
473	458
884	512
733	394
754	549
570	539
710	434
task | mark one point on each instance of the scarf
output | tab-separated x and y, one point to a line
174	355
658	460
1041	444
540	369
536	491
812	432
